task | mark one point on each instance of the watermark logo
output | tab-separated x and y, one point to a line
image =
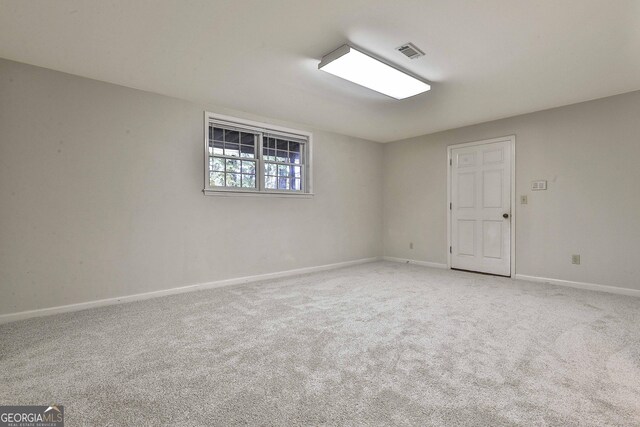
32	416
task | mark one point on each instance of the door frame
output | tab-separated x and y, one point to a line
511	139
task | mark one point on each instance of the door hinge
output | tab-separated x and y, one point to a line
450	162
450	206
450	251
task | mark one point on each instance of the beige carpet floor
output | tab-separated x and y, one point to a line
375	344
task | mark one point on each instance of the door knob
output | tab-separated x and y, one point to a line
505	216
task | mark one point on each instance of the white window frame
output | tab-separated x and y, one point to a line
262	129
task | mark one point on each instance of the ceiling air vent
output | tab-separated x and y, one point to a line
410	51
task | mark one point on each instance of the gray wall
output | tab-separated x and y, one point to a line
101	197
589	154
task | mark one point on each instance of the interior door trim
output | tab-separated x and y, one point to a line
511	139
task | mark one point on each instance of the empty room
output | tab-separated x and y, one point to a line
337	212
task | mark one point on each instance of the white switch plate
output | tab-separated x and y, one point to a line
539	185
523	200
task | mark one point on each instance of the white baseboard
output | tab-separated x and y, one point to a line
413	261
581	285
559	282
13	317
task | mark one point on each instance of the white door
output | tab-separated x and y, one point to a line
481	207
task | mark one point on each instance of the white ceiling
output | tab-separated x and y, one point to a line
487	59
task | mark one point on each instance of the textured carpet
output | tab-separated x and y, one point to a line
376	344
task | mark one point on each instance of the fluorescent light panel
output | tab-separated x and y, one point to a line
360	68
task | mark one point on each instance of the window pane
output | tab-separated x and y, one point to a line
234	159
270	182
270	169
294	147
248	139
216	164
233	180
215	147
232	136
218	134
283	183
294	158
269	154
249	181
247	151
232	150
233	165
282	156
249	167
295	184
216	179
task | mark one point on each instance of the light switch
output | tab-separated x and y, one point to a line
523	200
539	185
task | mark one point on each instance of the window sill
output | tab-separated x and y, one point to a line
231	193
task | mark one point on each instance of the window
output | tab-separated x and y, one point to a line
249	157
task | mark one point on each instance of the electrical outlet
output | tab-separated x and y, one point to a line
575	259
523	200
411	245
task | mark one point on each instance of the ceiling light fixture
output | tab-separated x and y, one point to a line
358	67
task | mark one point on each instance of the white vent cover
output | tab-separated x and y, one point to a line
410	51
